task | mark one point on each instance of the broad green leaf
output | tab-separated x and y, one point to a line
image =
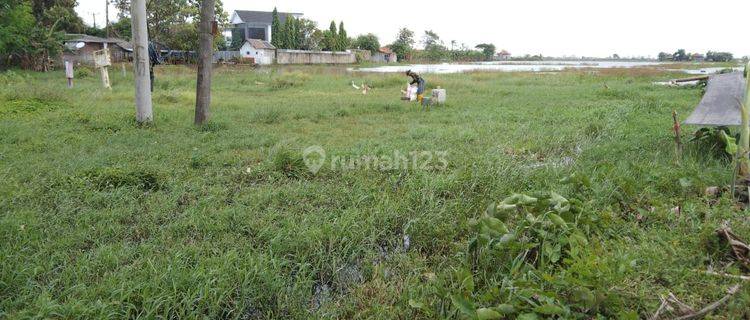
527	316
560	203
416	304
549	309
467	280
491	209
627	315
463	305
508	237
486	230
521	199
530	218
579	239
496	225
506	308
488	314
585	297
559	221
577	179
730	143
552	251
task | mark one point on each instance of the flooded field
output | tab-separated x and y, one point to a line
526	66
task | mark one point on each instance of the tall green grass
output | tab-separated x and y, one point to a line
101	218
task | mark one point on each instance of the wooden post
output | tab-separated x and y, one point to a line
105	77
103	69
124	73
677	135
69	73
203	86
143	112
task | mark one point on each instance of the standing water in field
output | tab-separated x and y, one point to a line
525	66
503	66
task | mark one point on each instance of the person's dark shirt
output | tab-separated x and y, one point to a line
415	78
153	55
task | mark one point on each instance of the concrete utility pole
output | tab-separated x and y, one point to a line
106	17
143	111
203	87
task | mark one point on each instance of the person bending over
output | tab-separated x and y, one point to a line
420	82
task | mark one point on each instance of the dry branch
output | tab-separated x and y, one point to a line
740	249
711	307
727	275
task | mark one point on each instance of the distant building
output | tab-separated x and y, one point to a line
698	57
259	50
384	54
119	49
255	24
503	55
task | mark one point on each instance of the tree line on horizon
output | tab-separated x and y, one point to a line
32	33
682	55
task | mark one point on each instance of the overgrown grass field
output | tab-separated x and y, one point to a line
102	218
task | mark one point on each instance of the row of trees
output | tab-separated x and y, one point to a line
303	34
682	55
435	49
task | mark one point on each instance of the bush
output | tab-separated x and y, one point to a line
289	80
83	72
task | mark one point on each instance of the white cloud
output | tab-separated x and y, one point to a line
574	27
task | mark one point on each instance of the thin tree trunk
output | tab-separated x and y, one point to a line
203	87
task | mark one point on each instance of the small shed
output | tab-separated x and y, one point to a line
261	51
384	54
503	55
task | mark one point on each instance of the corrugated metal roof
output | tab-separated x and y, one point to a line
128	46
261	16
386	50
720	105
88	38
260	44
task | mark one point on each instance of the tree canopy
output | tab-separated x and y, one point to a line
173	22
488	50
276	31
31	32
403	44
367	42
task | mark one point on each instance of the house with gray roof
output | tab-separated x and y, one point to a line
255	24
80	48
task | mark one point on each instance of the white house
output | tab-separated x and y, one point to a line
503	55
256	24
261	51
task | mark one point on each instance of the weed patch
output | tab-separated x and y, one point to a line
285	160
289	80
115	177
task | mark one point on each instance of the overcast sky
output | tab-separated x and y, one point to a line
553	28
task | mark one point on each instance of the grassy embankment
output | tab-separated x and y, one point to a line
101	218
